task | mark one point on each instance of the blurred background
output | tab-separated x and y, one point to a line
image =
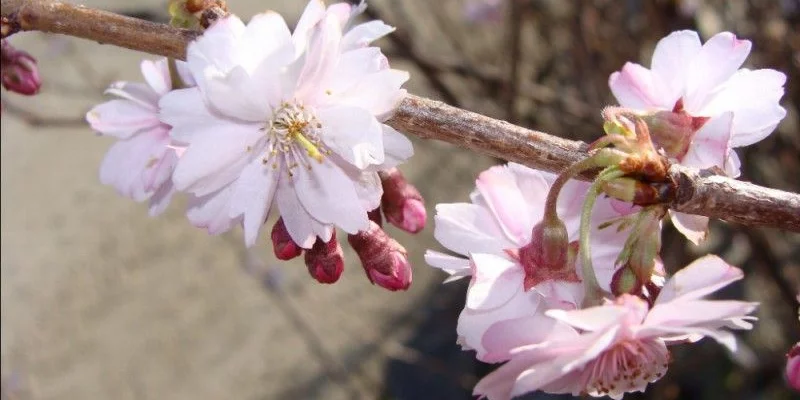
99	301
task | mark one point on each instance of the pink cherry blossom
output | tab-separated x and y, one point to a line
621	346
491	230
292	119
140	164
726	106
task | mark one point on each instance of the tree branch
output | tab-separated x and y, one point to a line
695	192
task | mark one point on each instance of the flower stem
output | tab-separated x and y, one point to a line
174	76
593	293
603	158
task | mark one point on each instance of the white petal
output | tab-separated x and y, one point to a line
299	223
321	58
379	93
694	227
186	111
711	144
313	13
354	66
456	267
252	197
156	73
354	134
715	63
591	319
139	93
363	34
700	278
216	50
127	161
236	95
634	87
121	118
495	281
161	198
328	195
215	157
396	146
265	34
211	211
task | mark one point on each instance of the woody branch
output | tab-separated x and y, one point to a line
695	192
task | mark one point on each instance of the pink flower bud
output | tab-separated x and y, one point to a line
19	71
793	367
376	217
325	261
624	281
285	248
673	130
384	260
549	255
402	203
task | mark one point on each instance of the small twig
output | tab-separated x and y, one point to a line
695	192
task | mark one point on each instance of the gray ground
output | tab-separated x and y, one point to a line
99	301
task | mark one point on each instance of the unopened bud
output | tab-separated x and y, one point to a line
376	217
673	131
384	260
643	246
325	261
402	203
285	248
19	71
793	367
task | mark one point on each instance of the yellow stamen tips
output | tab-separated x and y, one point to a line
150	163
328	92
312	150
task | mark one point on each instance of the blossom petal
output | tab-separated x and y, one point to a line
237	95
328	195
211	211
161	198
363	34
503	336
396	146
466	228
265	34
299	223
313	13
499	189
671	57
696	313
156	74
186	111
252	197
321	57
139	93
354	66
379	93
694	227
702	277
711	144
217	50
593	318
634	87
717	60
494	283
215	157
128	160
456	267
354	134
121	118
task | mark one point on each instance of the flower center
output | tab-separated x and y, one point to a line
294	134
628	366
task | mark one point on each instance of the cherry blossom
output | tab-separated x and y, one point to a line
292	119
141	163
709	104
493	232
622	346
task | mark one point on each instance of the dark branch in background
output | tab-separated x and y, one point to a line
406	50
694	193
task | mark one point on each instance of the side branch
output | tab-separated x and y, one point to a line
695	192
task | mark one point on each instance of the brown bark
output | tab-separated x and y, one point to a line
695	193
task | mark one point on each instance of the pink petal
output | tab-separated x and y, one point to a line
354	66
312	14
694	227
697	313
252	197
239	96
127	161
672	56
138	93
321	57
534	186
715	63
161	198
634	87
468	228
503	336
217	50
702	277
593	318
328	195
186	111
121	118
711	144
354	134
499	189
496	280
379	93
396	146
265	34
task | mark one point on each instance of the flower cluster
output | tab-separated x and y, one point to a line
566	284
262	118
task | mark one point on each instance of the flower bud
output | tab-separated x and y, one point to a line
19	71
376	217
643	246
793	367
673	130
325	261
384	260
633	191
547	256
402	203
285	248
624	281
